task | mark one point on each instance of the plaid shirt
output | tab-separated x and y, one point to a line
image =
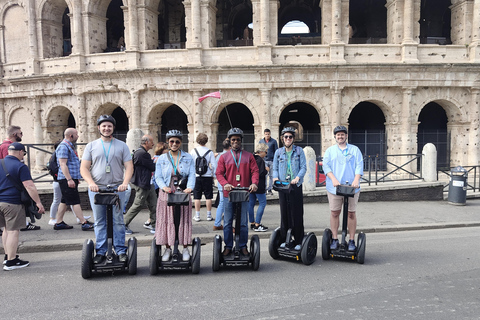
65	151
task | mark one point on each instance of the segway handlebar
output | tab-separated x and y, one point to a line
108	189
281	186
345	190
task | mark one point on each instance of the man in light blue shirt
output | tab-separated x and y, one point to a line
342	163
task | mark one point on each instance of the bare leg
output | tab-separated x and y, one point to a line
335	223
352	224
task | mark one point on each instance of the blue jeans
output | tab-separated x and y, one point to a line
227	229
262	203
100	215
220	210
269	185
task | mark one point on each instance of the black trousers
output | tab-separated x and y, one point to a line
294	202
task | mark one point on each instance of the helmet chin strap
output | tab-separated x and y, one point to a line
110	136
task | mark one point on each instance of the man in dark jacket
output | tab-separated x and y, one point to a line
144	191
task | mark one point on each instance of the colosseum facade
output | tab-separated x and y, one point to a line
398	73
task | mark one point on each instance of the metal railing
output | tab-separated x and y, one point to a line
375	169
44	148
476	177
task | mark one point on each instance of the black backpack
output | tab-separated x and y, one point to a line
201	163
52	166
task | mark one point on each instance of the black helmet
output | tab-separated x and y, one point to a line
235	132
174	133
106	117
288	129
340	129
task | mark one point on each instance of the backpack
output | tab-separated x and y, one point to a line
52	166
201	163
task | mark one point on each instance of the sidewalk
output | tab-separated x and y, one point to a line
382	216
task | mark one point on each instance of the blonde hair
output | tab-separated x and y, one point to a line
261	147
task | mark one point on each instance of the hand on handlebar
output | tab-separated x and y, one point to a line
295	181
253	187
122	187
188	190
228	187
93	187
167	189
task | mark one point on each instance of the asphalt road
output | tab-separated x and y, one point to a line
429	274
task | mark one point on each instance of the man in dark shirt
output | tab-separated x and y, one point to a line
144	191
272	147
12	211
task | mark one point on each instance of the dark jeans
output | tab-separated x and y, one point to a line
294	220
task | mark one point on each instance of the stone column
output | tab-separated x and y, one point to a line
264	22
196	24
32	63
337	46
407	132
474	45
38	132
458	133
429	163
474	134
132	44
136	109
77	29
266	109
409	46
197	114
3	58
82	122
309	182
212	138
394	21
336	107
208	14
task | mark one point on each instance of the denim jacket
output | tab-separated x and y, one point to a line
299	164
164	168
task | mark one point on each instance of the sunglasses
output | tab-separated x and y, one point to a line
235	139
174	142
18	133
287	137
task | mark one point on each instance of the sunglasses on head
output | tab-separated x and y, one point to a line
287	137
174	142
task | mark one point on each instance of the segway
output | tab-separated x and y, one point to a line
235	258
109	198
176	199
342	252
308	248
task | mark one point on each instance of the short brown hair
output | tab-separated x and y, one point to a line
12	129
202	139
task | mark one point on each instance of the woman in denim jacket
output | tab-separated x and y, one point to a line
290	164
172	166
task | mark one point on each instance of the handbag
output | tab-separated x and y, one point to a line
31	209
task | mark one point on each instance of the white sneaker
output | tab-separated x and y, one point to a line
52	222
209	217
197	218
84	217
185	254
166	255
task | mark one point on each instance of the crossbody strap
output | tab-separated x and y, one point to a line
7	174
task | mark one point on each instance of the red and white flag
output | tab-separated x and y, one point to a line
215	94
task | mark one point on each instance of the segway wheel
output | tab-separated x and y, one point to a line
154	257
217	251
274	243
361	246
196	248
132	256
309	249
87	259
326	240
255	252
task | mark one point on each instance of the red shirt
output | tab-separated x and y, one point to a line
4	148
227	170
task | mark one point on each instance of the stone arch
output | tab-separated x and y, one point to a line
56	121
386	109
154	112
214	112
15	28
450	105
7	6
322	113
52	15
236	116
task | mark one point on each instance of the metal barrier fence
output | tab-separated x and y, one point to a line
476	177
375	169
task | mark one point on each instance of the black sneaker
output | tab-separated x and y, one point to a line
30	226
99	258
260	228
15	264
252	226
87	226
6	259
62	226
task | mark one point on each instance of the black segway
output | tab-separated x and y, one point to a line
237	196
308	249
109	198
176	199
342	252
